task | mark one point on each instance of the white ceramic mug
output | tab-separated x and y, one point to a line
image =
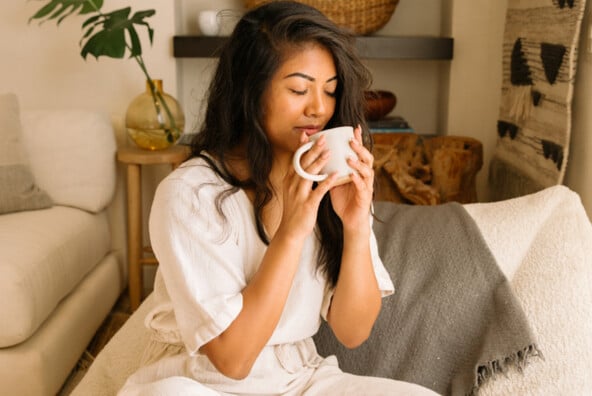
337	142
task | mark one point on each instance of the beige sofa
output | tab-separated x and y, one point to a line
543	245
59	275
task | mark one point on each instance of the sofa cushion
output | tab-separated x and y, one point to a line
72	155
40	365
17	186
44	254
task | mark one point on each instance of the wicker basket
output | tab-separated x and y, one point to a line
361	16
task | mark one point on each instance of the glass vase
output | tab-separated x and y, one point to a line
154	119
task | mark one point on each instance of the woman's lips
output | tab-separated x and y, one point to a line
310	129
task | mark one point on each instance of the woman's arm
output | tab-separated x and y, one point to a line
234	351
356	299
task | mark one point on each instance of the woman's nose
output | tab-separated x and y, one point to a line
317	105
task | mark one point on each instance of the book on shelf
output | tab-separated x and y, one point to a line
393	124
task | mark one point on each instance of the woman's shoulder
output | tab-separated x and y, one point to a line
195	169
193	179
192	173
189	176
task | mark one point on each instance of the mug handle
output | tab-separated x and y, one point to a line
296	162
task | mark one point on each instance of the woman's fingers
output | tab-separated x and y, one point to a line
364	170
358	146
363	164
314	159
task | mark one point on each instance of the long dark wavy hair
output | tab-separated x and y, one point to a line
260	42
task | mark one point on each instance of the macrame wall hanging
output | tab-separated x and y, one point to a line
539	66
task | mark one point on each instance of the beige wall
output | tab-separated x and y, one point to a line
43	66
579	161
475	75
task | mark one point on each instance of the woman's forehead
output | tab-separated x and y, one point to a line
311	59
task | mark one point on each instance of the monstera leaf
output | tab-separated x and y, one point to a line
110	40
109	34
60	9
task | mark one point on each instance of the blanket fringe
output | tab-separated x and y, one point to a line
491	369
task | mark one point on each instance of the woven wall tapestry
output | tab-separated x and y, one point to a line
539	67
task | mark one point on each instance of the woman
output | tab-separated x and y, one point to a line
251	255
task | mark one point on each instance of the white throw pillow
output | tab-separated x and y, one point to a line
72	155
18	190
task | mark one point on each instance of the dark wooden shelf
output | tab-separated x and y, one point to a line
370	47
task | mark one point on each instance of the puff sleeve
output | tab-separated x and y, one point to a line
200	258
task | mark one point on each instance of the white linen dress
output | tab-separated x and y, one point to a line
205	261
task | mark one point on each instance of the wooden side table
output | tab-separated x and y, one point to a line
134	158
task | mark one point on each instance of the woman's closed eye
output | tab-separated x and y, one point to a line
299	92
304	92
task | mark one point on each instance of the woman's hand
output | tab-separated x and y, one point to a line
352	201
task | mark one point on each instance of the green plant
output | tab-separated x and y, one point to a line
111	34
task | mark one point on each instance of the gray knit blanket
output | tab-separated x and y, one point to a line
453	321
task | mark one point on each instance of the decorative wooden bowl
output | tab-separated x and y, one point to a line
378	104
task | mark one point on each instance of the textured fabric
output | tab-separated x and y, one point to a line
43	256
41	364
206	262
540	51
72	155
550	234
18	190
454	318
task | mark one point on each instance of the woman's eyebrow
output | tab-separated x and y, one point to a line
307	77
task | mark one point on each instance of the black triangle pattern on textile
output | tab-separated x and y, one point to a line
536	97
519	70
553	151
507	128
552	58
570	3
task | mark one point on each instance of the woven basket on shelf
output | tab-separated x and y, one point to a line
361	16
